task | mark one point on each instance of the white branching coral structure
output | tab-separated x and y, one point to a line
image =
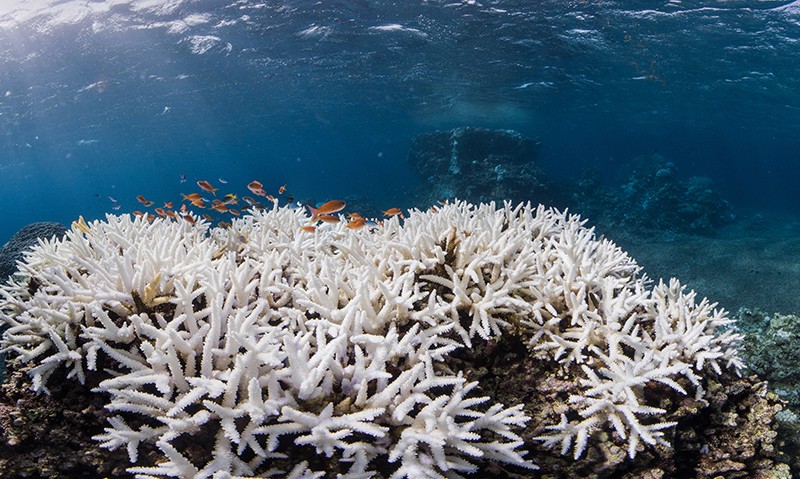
266	339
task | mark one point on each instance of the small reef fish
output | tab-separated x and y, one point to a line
230	199
207	216
355	223
328	218
255	187
183	178
222	180
309	228
281	189
161	212
113	200
333	206
233	212
189	218
171	214
206	186
116	206
224	224
192	196
393	212
141	199
167	204
220	207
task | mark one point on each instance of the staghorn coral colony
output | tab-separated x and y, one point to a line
330	354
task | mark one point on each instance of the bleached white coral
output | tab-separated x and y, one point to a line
272	340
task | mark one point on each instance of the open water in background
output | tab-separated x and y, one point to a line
119	98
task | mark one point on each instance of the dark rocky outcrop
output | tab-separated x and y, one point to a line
477	165
23	239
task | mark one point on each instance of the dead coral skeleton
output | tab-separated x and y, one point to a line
337	342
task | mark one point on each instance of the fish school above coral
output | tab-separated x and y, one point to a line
329	354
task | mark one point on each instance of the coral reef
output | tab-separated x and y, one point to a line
23	239
477	165
50	436
464	340
771	350
648	196
13	250
651	195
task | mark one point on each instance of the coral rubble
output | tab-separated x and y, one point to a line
465	339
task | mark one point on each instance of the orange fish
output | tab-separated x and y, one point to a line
138	213
141	199
233	212
192	197
260	192
356	223
220	207
224	224
281	189
309	228
161	212
189	218
250	201
207	216
393	212
168	204
206	186
328	218
354	216
328	208
270	197
198	203
183	209
255	186
171	214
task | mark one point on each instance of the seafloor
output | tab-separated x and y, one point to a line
753	263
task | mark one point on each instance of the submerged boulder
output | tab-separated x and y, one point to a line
477	165
22	240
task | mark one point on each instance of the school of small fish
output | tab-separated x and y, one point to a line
329	212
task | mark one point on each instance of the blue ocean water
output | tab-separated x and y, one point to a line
120	98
